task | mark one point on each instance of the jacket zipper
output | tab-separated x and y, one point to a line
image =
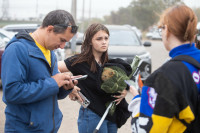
53	101
53	114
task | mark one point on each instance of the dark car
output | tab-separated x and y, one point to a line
125	44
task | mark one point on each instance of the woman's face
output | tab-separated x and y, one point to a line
100	42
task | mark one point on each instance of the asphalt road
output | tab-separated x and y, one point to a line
70	108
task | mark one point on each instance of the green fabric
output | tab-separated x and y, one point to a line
114	77
116	82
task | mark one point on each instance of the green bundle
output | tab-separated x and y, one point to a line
113	78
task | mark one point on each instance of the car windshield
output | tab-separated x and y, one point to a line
123	38
6	34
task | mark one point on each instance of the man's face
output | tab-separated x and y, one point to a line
57	40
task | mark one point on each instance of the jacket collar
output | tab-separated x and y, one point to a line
33	49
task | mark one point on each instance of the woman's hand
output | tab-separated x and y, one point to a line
120	97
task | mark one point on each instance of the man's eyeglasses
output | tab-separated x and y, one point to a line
160	30
73	30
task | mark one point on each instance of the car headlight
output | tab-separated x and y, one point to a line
145	56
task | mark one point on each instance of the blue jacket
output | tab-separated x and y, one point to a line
28	90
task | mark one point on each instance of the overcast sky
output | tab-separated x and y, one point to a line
99	8
27	8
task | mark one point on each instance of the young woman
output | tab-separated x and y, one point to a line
90	62
169	98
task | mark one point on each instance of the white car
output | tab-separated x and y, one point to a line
153	34
19	27
149	35
198	25
138	31
156	35
60	54
6	36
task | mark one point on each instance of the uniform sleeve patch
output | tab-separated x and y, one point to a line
196	77
152	95
148	100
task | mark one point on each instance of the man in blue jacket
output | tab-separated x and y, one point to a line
31	81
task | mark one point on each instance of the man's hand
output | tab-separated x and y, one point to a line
74	95
64	79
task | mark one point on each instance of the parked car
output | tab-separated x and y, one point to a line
19	27
6	36
138	31
2	47
149	35
156	35
153	34
198	25
197	38
125	44
79	38
60	53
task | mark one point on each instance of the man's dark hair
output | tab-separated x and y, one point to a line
57	17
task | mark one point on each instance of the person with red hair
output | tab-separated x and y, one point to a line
169	98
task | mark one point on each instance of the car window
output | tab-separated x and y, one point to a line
123	37
6	34
2	44
2	36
